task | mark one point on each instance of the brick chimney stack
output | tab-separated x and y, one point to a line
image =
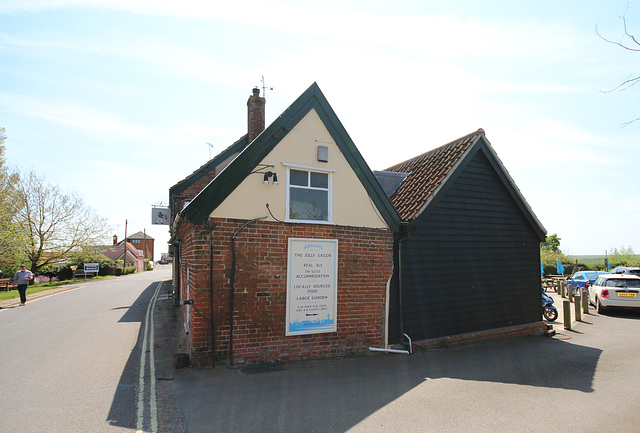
255	109
115	239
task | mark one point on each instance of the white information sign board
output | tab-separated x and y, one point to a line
312	286
92	267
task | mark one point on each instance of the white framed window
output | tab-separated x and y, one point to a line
308	194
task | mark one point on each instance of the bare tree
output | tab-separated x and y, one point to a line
628	42
10	253
54	223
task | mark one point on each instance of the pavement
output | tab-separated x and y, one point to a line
558	302
347	394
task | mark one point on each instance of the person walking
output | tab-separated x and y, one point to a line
21	279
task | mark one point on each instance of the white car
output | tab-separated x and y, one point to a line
615	291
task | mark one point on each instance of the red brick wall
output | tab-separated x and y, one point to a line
178	200
364	267
193	259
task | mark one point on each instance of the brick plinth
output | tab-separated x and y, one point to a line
530	329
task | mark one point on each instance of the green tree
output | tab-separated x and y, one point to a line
623	257
549	258
552	243
550	253
54	224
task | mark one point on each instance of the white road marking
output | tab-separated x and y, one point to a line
152	367
153	407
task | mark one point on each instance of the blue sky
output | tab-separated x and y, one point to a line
117	100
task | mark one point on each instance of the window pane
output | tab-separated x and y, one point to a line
309	205
319	180
297	177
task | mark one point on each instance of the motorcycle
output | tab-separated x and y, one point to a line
548	310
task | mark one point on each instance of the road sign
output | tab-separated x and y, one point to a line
92	267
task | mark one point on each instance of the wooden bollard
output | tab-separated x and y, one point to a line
569	292
585	301
561	287
578	308
566	309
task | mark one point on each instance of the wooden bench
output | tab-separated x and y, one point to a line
84	274
6	284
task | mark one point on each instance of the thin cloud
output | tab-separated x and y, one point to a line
443	36
84	118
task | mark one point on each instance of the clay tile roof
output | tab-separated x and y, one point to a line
426	173
140	235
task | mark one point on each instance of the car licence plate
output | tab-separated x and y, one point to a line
631	295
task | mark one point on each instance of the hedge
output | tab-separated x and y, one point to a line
126	271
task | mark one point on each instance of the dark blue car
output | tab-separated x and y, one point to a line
582	280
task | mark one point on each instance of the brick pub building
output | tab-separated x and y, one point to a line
286	246
238	219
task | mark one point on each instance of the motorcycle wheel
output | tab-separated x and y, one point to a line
550	314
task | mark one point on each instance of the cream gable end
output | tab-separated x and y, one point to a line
350	201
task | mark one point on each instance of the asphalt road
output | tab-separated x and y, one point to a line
86	360
71	362
583	380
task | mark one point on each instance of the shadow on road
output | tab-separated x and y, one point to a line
124	406
622	313
339	394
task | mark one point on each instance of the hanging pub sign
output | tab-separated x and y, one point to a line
160	215
312	283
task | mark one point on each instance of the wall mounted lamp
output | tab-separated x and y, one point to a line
269	174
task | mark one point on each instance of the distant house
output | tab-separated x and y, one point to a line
144	242
469	260
288	248
132	257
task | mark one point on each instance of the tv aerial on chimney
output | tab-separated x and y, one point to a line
264	88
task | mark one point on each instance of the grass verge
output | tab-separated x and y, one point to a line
41	287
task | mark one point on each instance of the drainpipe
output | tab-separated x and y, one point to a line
214	349
406	352
409	350
375	349
400	312
233	283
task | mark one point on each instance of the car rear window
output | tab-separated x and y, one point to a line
591	275
623	283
